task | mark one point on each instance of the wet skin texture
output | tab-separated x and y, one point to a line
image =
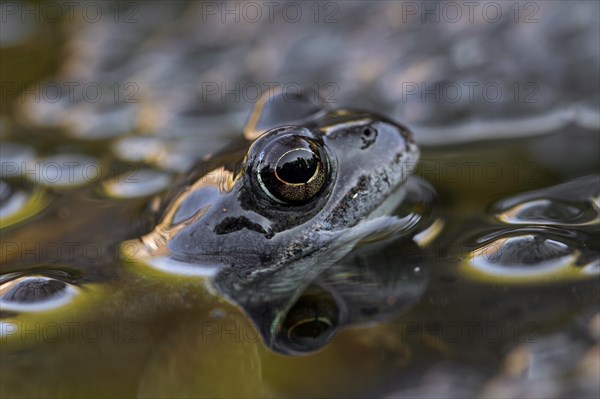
314	183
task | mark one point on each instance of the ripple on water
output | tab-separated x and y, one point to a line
34	293
532	255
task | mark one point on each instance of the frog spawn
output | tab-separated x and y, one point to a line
556	244
60	170
545	211
34	292
138	183
575	203
557	365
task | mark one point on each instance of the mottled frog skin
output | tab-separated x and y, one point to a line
312	184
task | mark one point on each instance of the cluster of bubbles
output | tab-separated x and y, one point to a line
185	71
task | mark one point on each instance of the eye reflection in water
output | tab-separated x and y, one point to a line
298	316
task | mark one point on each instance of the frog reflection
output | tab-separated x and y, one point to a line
371	285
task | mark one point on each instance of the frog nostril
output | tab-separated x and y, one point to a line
369	135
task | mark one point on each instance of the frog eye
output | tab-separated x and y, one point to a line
292	169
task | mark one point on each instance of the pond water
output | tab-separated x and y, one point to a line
495	296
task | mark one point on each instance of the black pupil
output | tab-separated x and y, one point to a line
297	166
307	333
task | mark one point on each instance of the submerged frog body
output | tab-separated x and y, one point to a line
311	186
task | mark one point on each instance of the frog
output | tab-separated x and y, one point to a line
312	183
